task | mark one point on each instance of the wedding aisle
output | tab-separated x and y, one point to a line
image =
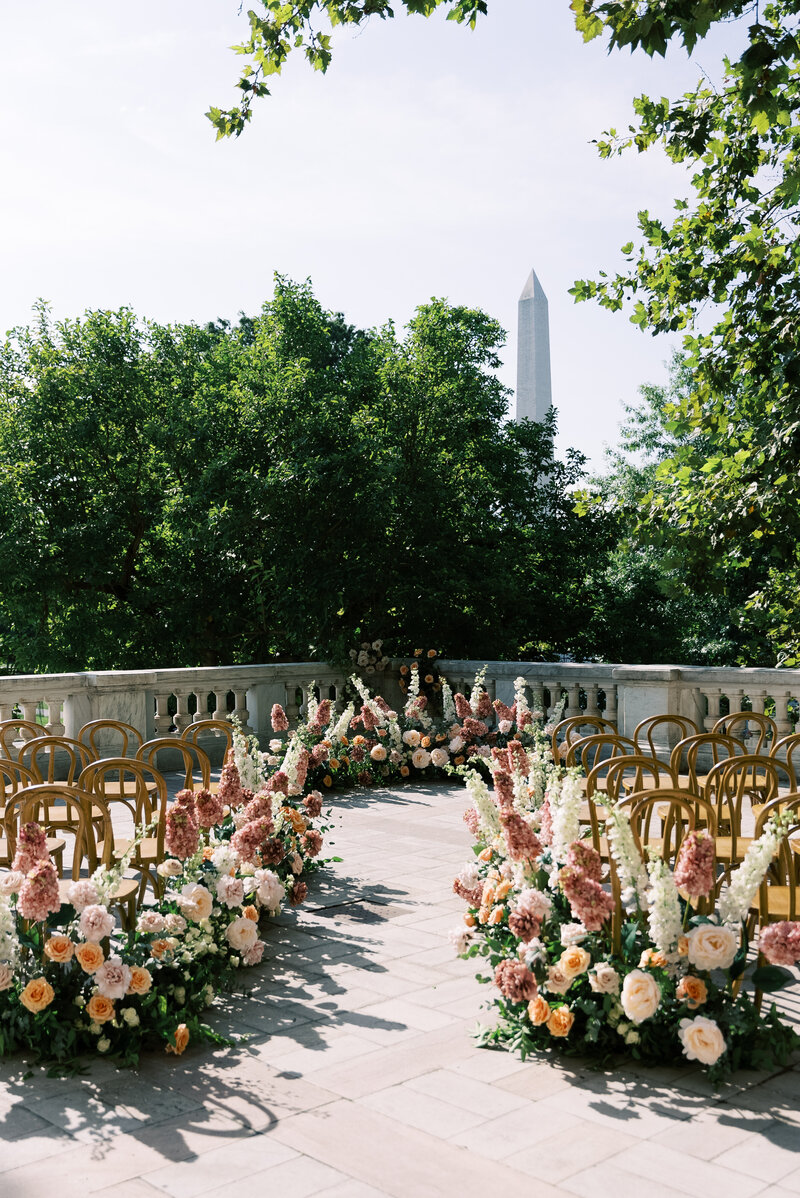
359	1078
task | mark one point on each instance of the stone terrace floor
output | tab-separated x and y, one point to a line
360	1077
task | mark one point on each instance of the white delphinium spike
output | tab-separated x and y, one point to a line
248	758
484	804
565	805
736	898
9	944
520	698
311	702
633	878
369	702
449	714
341	727
478	688
664	915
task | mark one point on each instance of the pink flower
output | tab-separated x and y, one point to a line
249	839
182	835
515	981
83	893
322	716
299	892
463	709
301	770
31	847
470	894
694	869
311	842
242	934
230	786
113	978
38	896
472	820
278	718
472	729
272	852
96	923
253	955
230	891
583	857
503	788
368	719
484	706
259	807
590	904
546	822
150	923
780	942
210	809
278	783
517	757
522	842
313	803
525	925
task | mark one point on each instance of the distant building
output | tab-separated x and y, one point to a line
534	393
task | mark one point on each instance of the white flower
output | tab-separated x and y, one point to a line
420	759
457	744
460	939
504	727
151	922
103	1044
565	805
130	1016
11	882
196	901
412	737
712	946
640	996
604	978
572	933
242	933
469	875
440	757
171	868
736	899
702	1039
664	914
631	872
230	891
270	891
224	858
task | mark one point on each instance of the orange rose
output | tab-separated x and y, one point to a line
426	742
433	652
469	920
538	1010
359	740
429	678
484	913
159	948
334	763
574	961
181	1040
404	670
560	1021
250	913
100	1009
487	898
345	762
37	995
459	760
327	780
345	741
418	653
683	945
208	852
497	915
141	980
299	825
501	891
89	956
404	771
440	737
485	854
653	958
692	991
59	949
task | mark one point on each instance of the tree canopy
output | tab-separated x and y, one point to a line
280	488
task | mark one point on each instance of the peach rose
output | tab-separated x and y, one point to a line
141	980
487	897
604	979
683	946
470	920
538	1010
557	980
712	946
59	949
692	991
640	996
501	891
181	1040
250	913
653	958
196	901
497	915
574	961
560	1021
100	1009
702	1040
37	995
89	956
160	948
485	854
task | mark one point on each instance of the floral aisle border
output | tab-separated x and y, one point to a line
72	982
656	970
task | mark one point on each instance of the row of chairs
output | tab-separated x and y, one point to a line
741	726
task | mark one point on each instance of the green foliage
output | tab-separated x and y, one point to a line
184	495
726	271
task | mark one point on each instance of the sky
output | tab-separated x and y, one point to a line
430	160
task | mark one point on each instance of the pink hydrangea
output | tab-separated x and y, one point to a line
322	716
230	891
182	833
546	822
278	718
780	942
525	718
368	719
470	894
517	757
503	788
259	807
587	860
113	978
313	803
694	869
471	729
504	712
230	786
249	839
515	981
301	769
38	896
591	905
472	820
31	847
463	709
311	842
524	923
272	851
522	842
278	783
484	706
210	809
83	893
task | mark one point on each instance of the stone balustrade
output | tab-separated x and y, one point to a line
165	702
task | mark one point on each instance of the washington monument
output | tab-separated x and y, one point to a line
534	394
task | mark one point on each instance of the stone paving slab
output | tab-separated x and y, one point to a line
359	1078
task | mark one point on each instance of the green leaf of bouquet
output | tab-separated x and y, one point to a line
771	977
739	964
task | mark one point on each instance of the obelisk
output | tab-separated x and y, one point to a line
534	394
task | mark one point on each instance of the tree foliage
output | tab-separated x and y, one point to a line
178	495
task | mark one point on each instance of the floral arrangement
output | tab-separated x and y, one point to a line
595	957
72	981
370	657
429	676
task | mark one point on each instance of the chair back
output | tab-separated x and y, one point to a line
720	748
788	745
90	734
629	772
14	732
644	734
79	813
782	876
13	778
589	751
206	727
745	724
194	758
572	729
677	811
42	754
730	782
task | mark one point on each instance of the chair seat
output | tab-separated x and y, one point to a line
112	790
778	903
55	847
146	850
57	818
600	812
126	890
724	847
212	788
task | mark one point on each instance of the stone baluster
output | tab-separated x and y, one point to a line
29	711
592	701
6	712
54	726
240	711
574	701
610	711
712	698
163	720
537	696
220	711
182	719
782	719
555	700
292	706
